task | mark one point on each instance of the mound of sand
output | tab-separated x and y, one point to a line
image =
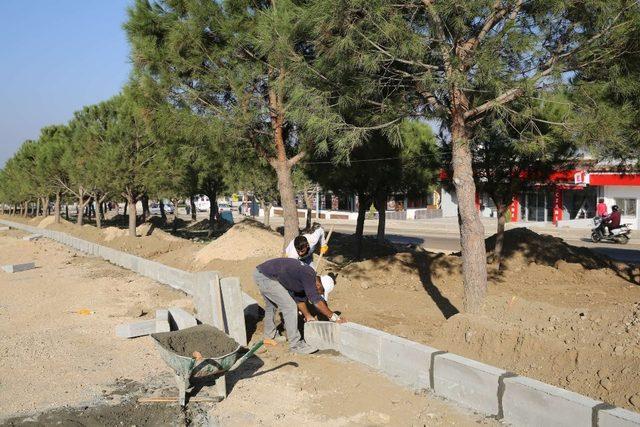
51	219
112	233
522	244
243	240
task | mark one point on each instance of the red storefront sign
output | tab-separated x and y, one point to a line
614	179
557	205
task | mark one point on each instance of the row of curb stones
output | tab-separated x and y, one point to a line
483	388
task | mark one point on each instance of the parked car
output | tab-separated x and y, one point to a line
202	203
154	208
224	207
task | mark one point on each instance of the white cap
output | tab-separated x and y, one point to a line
328	284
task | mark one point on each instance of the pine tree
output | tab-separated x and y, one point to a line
244	64
457	61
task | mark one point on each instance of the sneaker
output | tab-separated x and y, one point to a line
303	348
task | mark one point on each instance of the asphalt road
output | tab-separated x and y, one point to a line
442	235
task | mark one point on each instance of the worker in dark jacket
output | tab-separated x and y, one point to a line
286	283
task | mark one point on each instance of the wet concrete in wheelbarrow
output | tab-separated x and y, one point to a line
205	339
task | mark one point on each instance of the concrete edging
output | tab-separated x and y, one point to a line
484	388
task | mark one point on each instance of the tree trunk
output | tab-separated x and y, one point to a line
81	205
145	207
497	251
174	224
45	208
288	201
381	206
163	215
192	201
37	207
99	213
66	210
363	203
131	201
213	212
474	258
309	206
281	163
57	208
267	214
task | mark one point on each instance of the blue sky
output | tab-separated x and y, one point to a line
57	56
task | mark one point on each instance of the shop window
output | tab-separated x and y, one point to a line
627	206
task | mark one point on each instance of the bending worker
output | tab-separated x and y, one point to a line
287	284
303	246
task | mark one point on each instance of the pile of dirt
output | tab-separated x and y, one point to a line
51	219
545	249
243	240
209	341
112	233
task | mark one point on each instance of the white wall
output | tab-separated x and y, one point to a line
623	192
449	204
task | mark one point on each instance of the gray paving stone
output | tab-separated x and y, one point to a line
361	343
233	309
181	319
618	417
137	329
408	362
527	402
470	383
15	268
322	335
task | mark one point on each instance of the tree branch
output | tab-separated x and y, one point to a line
295	159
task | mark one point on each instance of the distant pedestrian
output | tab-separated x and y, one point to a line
601	209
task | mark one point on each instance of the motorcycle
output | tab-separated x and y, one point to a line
617	235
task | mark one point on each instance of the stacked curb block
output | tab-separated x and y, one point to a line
483	388
517	400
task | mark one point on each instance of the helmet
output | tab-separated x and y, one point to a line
615	208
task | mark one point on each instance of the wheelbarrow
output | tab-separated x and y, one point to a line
190	371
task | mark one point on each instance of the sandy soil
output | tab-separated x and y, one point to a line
49	354
52	357
557	313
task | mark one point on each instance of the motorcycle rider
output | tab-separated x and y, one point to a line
613	220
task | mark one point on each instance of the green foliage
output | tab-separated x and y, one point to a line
607	100
379	167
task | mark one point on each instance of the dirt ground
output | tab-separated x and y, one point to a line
58	366
557	313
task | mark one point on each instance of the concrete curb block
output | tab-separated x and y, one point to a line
360	343
180	319
322	335
484	388
15	268
529	402
472	384
618	417
407	362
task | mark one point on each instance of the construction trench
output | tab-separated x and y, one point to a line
490	393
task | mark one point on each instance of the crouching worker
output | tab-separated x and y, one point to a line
280	280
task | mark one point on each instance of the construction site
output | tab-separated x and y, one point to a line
332	212
563	316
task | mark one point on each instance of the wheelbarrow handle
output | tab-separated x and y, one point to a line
248	354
